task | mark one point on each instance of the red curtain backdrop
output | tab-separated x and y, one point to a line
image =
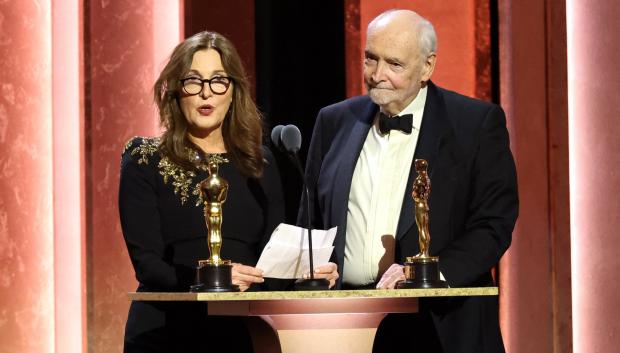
525	270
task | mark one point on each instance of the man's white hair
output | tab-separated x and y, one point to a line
427	38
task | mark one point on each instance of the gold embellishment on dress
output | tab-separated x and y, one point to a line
215	158
182	179
146	149
128	144
196	192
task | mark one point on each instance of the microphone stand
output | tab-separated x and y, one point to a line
311	283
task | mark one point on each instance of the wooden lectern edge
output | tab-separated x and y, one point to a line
297	295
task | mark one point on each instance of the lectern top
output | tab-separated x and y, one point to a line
296	295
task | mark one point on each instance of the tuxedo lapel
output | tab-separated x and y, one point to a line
433	133
350	154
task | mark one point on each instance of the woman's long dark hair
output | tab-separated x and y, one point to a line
242	126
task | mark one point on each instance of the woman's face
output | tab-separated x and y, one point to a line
205	109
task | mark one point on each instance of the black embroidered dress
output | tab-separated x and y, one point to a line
164	228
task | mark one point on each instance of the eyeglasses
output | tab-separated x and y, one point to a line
217	84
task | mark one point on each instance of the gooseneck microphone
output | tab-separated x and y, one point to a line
288	139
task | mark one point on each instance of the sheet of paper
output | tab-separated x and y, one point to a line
286	254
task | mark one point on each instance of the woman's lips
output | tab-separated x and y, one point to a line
205	110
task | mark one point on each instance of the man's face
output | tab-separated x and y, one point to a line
393	68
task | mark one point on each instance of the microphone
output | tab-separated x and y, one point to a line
275	137
291	138
288	139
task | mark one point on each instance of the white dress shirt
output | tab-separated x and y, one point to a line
376	197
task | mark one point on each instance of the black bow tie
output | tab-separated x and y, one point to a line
402	123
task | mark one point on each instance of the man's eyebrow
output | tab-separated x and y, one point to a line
369	54
394	60
391	60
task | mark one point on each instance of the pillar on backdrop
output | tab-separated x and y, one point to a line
534	277
559	191
463	42
68	177
126	45
593	85
26	199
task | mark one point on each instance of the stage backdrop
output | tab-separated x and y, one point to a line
76	78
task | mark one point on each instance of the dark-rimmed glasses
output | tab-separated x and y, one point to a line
195	85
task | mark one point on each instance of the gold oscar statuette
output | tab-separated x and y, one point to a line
421	270
214	274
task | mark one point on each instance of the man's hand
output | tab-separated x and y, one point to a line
244	276
393	274
328	271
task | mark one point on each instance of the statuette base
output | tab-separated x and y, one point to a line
422	272
214	278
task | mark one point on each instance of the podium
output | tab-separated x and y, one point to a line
315	321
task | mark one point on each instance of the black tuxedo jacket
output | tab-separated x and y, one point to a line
473	201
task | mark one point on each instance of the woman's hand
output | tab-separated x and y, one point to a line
244	276
328	271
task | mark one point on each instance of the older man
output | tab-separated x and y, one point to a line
360	173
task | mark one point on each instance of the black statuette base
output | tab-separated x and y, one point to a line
212	278
421	274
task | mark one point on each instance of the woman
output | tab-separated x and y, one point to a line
205	107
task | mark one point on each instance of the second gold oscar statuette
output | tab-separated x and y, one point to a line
422	270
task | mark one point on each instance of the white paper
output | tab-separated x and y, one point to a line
286	253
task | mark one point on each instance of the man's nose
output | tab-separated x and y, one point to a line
379	74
